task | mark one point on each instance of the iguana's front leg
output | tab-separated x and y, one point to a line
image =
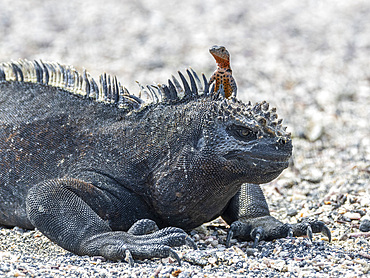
250	219
75	215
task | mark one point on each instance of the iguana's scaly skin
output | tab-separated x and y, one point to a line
223	74
99	171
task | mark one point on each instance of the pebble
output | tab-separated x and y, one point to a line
365	225
314	131
352	215
292	212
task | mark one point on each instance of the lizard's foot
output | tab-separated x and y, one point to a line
269	228
121	245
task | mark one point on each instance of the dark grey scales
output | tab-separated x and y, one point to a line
101	172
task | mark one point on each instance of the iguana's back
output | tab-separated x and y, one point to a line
43	132
48	133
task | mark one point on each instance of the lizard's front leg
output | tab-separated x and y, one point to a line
75	215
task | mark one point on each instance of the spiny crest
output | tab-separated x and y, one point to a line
110	91
107	90
173	92
258	116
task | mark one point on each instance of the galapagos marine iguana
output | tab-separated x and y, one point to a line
101	172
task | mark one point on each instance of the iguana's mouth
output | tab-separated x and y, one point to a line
272	165
247	156
257	169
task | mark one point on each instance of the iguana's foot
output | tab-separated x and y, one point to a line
120	245
269	228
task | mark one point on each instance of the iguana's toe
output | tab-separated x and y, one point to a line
143	227
307	227
238	229
191	243
129	258
309	233
257	233
172	237
174	255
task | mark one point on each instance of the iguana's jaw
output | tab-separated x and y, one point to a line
273	163
257	170
260	163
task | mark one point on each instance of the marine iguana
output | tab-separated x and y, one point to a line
100	172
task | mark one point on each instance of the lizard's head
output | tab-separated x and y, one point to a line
219	53
249	140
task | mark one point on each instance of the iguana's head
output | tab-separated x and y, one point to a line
214	145
248	139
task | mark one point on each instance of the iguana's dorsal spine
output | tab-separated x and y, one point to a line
69	79
107	90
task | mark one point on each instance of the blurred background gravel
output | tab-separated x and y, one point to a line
310	59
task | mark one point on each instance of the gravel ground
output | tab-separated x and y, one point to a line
310	59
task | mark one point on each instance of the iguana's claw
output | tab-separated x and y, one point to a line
290	232
309	227
129	258
230	235
257	234
175	256
326	231
309	232
237	228
190	242
257	237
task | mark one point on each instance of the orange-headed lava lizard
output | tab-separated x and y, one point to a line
223	74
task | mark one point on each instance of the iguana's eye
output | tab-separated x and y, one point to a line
244	132
241	133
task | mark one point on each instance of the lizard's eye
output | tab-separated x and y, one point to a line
241	133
